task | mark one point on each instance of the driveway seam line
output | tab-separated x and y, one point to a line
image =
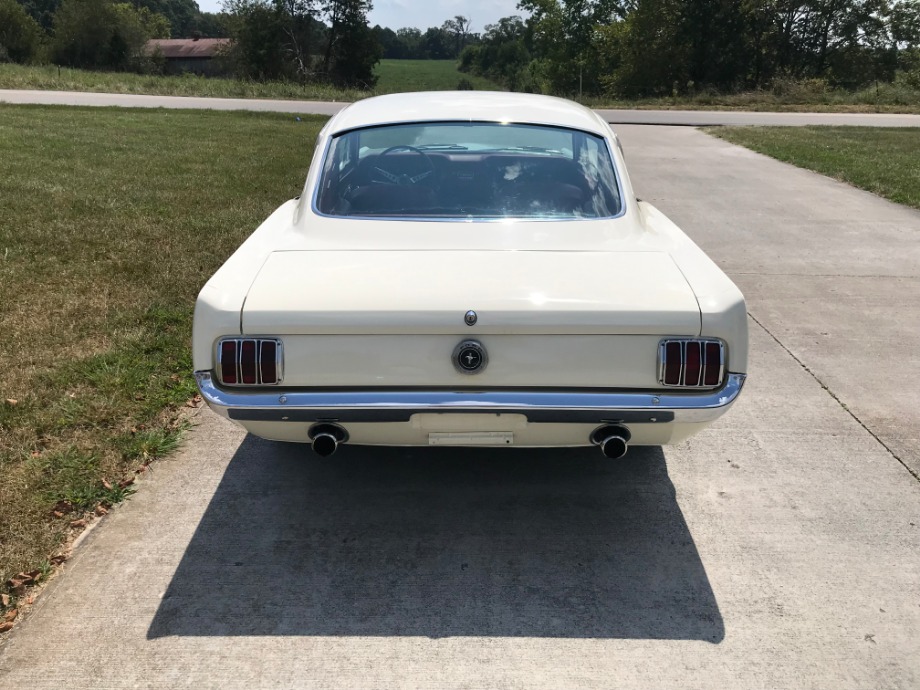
840	402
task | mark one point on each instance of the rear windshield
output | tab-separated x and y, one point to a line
447	170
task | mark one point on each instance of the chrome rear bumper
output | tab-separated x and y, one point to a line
542	406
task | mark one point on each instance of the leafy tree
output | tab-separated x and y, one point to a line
302	34
352	50
459	29
210	25
42	11
501	55
392	48
182	15
101	34
20	34
437	44
411	38
257	48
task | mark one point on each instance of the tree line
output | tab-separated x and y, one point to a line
619	48
96	34
302	40
632	48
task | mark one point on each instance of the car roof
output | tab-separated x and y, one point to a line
466	106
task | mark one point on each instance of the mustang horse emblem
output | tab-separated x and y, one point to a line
470	357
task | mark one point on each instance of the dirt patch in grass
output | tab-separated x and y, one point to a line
883	161
110	223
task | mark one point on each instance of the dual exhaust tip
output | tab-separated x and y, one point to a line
612	439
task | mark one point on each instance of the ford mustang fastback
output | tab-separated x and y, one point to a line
470	269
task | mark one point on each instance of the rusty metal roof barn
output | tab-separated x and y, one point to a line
186	48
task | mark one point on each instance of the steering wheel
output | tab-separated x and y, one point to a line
401	178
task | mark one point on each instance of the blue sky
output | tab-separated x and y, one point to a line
399	13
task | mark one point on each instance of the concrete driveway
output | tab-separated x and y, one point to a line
780	548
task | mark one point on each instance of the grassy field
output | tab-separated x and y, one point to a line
395	76
425	75
110	223
417	75
807	96
885	161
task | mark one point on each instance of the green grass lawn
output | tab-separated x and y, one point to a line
885	161
111	221
395	76
425	75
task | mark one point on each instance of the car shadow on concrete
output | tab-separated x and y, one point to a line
441	542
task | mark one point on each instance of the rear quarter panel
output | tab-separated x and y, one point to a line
722	309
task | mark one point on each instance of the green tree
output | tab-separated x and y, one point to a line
302	34
458	29
101	34
42	11
182	15
351	50
20	34
501	55
257	48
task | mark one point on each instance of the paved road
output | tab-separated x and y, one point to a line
695	118
780	548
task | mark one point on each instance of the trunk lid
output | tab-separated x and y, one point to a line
429	292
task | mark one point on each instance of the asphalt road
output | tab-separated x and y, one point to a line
696	118
780	548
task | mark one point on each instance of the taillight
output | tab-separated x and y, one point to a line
691	363
249	361
672	362
228	361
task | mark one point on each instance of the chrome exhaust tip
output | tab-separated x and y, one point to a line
612	439
325	438
324	445
614	447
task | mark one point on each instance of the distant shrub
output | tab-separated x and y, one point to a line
465	85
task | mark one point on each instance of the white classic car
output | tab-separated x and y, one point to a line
470	269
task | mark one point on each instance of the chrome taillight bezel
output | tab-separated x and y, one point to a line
703	365
258	342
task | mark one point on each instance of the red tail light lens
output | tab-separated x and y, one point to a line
691	363
228	360
249	361
268	361
713	365
693	360
673	363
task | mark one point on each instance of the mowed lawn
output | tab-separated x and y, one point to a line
110	222
885	161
